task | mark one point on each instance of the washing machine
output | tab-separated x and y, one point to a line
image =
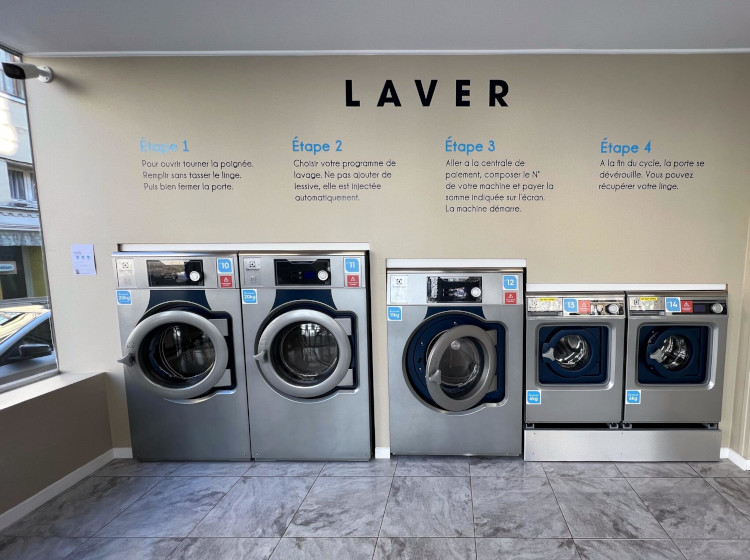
455	356
674	370
307	340
181	333
575	346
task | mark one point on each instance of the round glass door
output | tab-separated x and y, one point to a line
304	353
461	363
177	354
673	353
571	352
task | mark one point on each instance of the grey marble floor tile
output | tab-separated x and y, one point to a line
133	467
526	549
691	508
622	549
605	508
125	548
656	470
256	507
429	507
376	467
516	507
303	548
212	468
581	470
719	469
37	548
342	507
510	467
422	548
285	468
171	509
712	549
85	508
224	549
736	490
432	466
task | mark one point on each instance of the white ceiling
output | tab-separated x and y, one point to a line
150	27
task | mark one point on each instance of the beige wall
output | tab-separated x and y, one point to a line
88	123
49	437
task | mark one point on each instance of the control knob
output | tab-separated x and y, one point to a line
476	292
717	307
322	275
195	275
613	309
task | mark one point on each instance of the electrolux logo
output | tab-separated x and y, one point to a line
496	91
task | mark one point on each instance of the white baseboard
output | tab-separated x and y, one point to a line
736	458
382	452
123	452
55	489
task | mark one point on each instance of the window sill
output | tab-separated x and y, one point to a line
36	389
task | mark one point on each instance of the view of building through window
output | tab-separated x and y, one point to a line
26	343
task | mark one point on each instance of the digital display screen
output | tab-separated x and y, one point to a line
699	308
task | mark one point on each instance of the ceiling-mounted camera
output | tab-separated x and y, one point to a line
25	71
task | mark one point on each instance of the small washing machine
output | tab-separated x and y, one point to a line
575	347
674	369
455	356
181	334
307	355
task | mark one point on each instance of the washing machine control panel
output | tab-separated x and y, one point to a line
576	306
303	273
671	304
458	289
175	272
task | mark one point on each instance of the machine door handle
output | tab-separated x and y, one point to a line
128	359
549	355
260	356
658	356
435	377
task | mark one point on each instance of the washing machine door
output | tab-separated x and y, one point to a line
176	354
305	353
674	355
461	364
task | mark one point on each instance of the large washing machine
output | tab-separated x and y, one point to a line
307	350
181	333
675	359
575	346
455	356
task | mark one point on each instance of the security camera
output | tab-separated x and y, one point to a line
24	71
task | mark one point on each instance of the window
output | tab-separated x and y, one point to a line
22	184
7	85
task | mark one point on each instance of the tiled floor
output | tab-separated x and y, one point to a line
405	508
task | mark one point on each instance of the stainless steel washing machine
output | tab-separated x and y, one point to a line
455	356
674	370
307	343
181	334
575	347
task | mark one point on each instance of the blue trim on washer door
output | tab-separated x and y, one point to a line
695	369
439	320
593	371
157	297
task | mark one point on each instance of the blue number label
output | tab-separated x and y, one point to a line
394	313
224	266
510	282
124	298
533	397
570	305
673	304
351	265
249	296
632	397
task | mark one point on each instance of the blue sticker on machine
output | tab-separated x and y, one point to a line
224	266
570	305
673	304
510	282
533	397
124	298
632	397
249	296
351	265
394	313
